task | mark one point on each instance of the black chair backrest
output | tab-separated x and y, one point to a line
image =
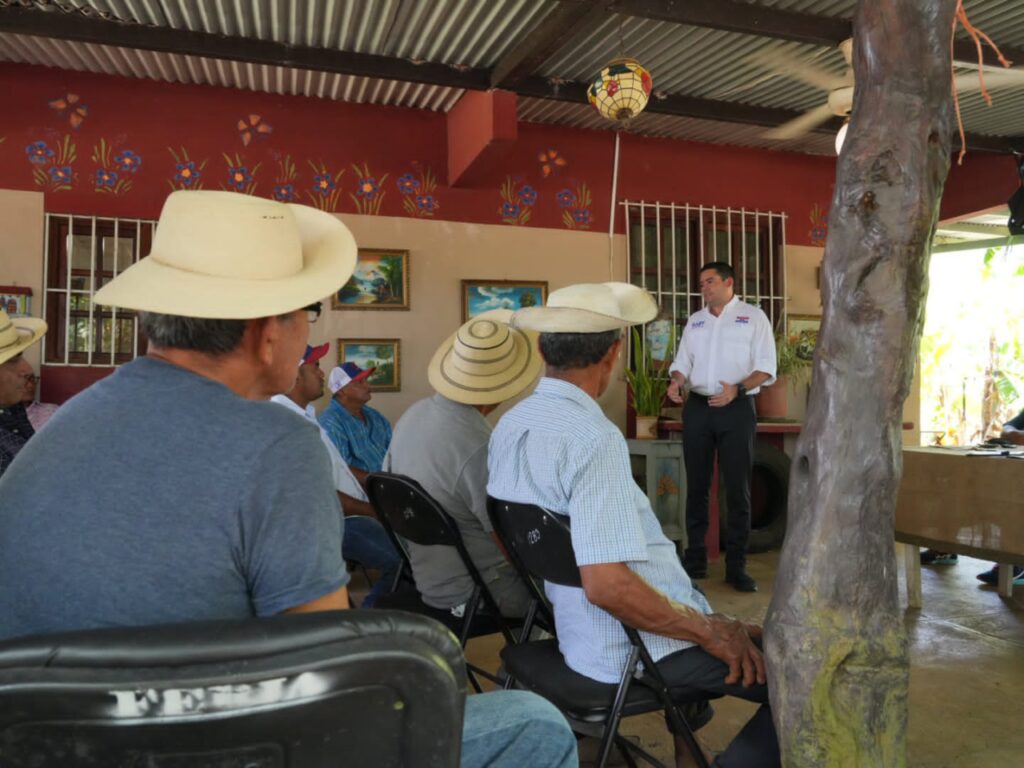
540	539
351	688
410	511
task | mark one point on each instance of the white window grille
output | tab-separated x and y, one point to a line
82	254
668	243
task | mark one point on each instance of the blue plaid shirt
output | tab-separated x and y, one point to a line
15	430
558	450
362	444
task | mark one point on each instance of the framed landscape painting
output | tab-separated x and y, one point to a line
484	295
383	354
805	329
380	281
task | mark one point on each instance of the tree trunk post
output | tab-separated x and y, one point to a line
836	645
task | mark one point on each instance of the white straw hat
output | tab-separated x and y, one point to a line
486	361
18	334
589	308
224	255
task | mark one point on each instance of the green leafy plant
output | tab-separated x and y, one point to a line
789	362
644	378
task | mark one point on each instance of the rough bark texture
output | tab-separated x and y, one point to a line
836	645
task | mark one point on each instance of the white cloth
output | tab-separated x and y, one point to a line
344	480
727	348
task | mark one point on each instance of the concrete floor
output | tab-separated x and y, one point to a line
966	680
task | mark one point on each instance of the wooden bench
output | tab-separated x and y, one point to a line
952	502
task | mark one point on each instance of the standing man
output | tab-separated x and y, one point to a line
726	354
364	540
16	335
360	433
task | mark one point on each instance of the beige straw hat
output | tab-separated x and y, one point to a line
18	334
224	255
486	361
589	308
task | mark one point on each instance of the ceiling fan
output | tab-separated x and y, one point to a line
839	88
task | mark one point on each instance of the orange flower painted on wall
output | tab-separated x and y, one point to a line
517	202
52	168
253	127
418	193
369	194
115	169
576	206
551	162
326	187
188	174
241	177
819	226
71	106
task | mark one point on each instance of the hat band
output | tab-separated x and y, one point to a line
17	336
527	358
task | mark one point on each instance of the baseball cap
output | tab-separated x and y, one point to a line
313	354
343	375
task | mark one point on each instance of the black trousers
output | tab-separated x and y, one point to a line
729	431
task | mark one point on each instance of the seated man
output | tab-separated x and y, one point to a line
558	450
360	433
16	335
173	491
38	413
365	541
441	442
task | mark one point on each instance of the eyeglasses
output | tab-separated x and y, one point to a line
29	378
313	312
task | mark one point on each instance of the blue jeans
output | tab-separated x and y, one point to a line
513	729
366	542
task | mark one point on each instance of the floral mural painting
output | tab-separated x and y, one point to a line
241	178
516	202
114	170
326	187
418	195
284	181
369	195
575	205
253	127
188	174
819	226
550	162
52	168
70	106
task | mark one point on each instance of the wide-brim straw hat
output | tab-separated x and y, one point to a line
18	334
589	308
224	255
486	361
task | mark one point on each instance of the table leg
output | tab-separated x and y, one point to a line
1005	585
912	570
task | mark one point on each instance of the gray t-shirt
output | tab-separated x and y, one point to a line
443	446
158	495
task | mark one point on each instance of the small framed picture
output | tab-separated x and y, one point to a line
805	329
484	295
383	354
380	281
16	300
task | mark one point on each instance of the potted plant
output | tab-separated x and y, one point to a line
648	387
791	368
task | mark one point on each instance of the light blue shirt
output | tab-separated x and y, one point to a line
362	444
558	450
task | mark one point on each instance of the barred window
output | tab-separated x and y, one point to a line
83	254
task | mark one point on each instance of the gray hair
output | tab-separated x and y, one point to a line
576	350
215	337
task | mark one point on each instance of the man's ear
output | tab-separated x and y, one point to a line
260	338
612	355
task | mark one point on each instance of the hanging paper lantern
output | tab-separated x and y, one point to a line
621	90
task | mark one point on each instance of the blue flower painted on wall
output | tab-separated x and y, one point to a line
516	202
188	174
53	169
324	191
240	177
127	161
565	198
37	152
527	195
107	178
418	192
575	205
60	174
408	184
284	193
369	194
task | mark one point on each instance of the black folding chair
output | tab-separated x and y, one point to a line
409	512
539	543
354	688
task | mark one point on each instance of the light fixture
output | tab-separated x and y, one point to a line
621	90
841	136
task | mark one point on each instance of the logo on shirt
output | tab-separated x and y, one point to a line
533	536
698	324
743	319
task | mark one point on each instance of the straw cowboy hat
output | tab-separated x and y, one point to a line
18	334
224	255
486	361
589	308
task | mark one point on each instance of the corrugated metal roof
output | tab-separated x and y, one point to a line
176	68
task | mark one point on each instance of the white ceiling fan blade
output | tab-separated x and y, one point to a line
797	127
995	78
798	69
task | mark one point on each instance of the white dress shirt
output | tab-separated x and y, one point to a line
344	480
726	348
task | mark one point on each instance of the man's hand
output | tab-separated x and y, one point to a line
675	390
730	641
726	396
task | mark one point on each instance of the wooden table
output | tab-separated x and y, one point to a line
952	502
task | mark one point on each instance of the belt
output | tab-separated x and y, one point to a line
704	398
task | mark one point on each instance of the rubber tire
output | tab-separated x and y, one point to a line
771	469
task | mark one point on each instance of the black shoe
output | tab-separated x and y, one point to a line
696	569
742	581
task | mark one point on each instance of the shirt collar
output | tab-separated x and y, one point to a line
557	388
287	402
